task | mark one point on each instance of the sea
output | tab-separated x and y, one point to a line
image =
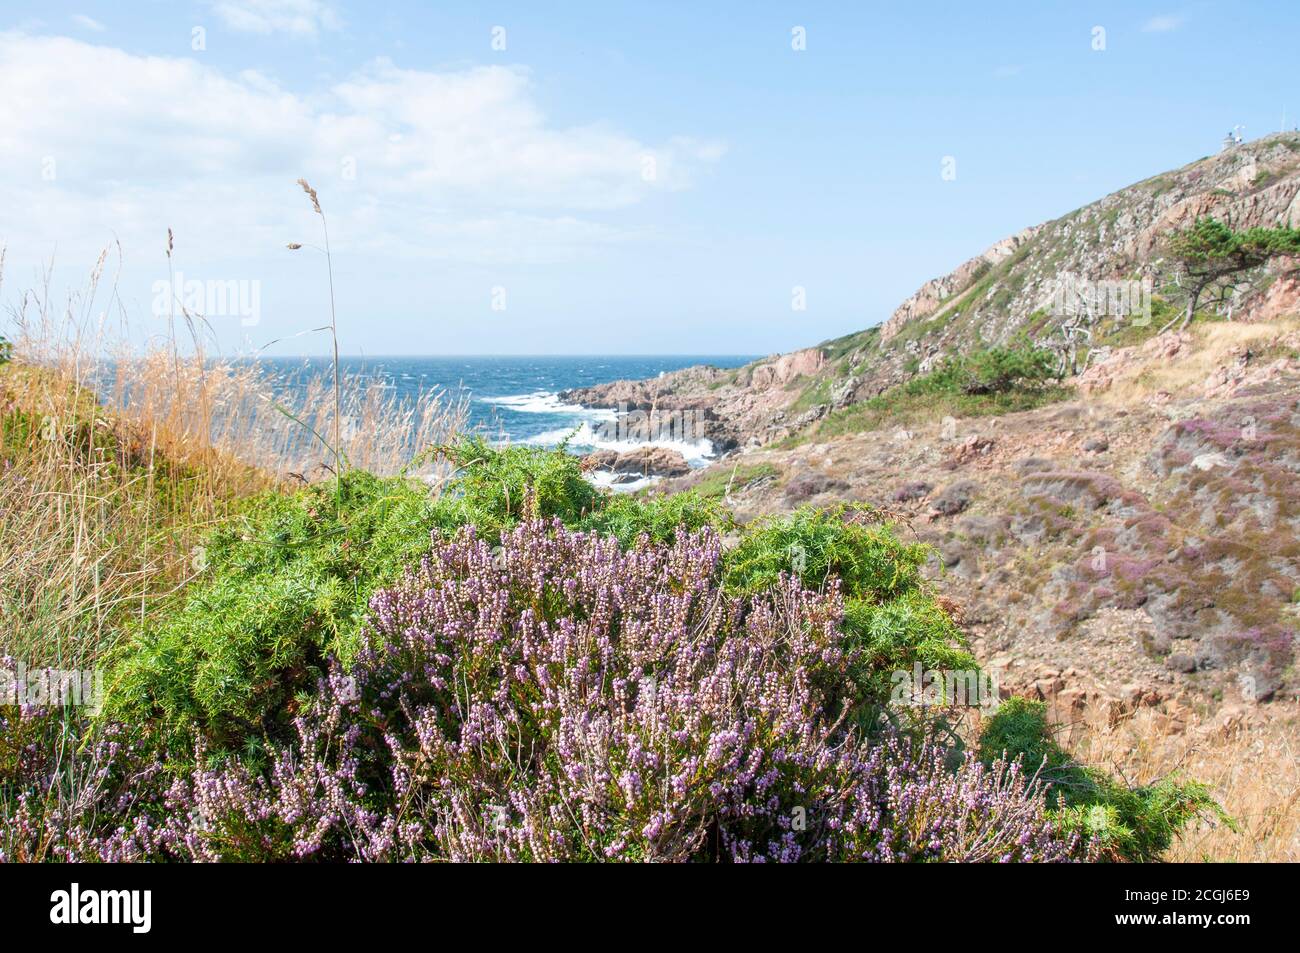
515	400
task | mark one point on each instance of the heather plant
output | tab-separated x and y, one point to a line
280	587
561	698
570	677
554	698
104	792
317	800
567	699
71	790
1136	824
970	813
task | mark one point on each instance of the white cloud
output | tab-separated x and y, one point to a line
1162	24
297	17
88	23
96	141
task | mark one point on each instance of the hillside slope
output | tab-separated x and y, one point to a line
1130	556
1146	535
1005	292
1140	533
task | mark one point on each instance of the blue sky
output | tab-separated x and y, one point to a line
589	177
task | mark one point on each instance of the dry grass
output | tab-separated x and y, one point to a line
1248	758
104	503
94	524
1251	766
236	413
1214	345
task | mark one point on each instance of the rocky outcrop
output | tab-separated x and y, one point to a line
1014	286
936	292
646	461
784	369
728	408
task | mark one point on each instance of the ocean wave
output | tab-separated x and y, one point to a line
546	402
582	437
605	480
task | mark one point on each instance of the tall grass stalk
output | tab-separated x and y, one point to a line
334	334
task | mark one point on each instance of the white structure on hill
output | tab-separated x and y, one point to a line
1233	138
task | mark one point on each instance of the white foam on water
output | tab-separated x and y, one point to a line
581	436
546	402
605	479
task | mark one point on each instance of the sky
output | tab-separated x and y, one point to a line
584	178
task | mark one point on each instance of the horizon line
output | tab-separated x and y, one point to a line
329	357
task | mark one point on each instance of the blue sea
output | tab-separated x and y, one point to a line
515	399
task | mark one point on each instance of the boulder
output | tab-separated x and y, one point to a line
915	490
650	461
955	497
808	483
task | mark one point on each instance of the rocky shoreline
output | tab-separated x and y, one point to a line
635	465
738	408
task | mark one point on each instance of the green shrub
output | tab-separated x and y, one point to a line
1020	728
1128	823
845	541
662	518
494	487
6	350
287	583
278	588
895	635
995	380
891	617
993	370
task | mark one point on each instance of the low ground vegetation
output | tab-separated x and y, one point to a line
990	381
506	663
